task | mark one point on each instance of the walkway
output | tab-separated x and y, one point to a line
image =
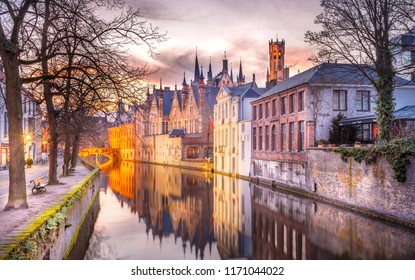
11	220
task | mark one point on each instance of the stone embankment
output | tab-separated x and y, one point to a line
52	225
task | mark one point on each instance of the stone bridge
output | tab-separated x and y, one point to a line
112	154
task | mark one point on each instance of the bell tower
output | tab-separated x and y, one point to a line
276	62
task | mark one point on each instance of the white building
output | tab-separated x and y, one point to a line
232	140
32	127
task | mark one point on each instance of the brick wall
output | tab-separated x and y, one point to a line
369	187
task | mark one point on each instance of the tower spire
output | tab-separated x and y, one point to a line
240	68
210	75
197	70
225	64
231	73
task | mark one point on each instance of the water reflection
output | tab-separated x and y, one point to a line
157	212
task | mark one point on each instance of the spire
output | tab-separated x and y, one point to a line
210	76
202	78
197	73
184	84
225	64
240	69
161	86
231	73
184	79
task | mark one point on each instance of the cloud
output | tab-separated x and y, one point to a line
242	28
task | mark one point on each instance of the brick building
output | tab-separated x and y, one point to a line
297	113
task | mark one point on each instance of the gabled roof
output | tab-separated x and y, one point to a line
245	91
331	74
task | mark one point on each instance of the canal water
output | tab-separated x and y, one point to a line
157	212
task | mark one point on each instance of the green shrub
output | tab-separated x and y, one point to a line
396	152
29	161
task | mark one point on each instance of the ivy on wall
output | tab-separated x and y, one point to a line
396	152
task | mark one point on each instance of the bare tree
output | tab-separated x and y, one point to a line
32	38
363	32
11	22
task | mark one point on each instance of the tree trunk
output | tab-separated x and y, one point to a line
75	149
52	118
53	136
17	177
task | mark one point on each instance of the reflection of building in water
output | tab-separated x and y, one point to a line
171	201
232	215
279	226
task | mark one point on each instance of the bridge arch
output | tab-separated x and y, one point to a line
112	154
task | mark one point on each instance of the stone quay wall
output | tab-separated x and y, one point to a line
366	187
53	234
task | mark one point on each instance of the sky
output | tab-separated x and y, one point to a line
241	28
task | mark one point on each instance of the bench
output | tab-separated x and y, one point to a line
38	186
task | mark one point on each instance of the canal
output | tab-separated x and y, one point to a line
157	212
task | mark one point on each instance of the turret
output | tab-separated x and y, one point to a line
202	90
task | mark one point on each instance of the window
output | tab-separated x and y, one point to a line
274	107
267	138
254	139
260	139
339	100
300	101
243	128
283	106
254	113
267	108
274	138
260	111
300	136
283	127
291	103
363	100
243	150
291	140
233	111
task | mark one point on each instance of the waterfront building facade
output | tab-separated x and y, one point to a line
232	140
175	127
296	114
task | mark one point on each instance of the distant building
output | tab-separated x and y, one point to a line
404	54
32	127
277	72
297	113
175	126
